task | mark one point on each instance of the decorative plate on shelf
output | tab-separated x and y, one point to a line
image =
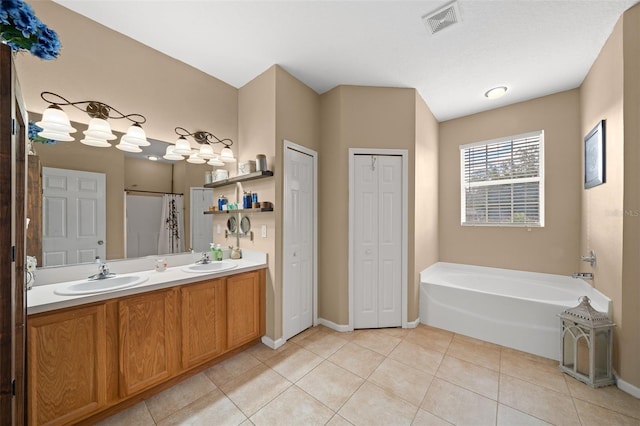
232	224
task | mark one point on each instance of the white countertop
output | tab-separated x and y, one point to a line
41	298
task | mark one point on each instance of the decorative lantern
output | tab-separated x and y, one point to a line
587	338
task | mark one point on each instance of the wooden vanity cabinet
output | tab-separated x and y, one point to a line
245	308
66	355
148	343
93	358
203	321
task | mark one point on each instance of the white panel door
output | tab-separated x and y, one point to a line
74	216
143	216
298	242
377	241
201	224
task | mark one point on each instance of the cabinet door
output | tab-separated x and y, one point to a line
66	365
245	308
147	335
203	321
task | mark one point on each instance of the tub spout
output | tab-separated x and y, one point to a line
583	275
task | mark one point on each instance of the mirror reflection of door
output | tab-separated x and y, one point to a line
73	216
143	216
201	224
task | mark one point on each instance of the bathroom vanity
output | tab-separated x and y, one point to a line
89	357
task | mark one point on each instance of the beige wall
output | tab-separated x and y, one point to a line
298	121
97	63
551	249
256	134
273	107
426	200
629	367
356	117
610	212
602	95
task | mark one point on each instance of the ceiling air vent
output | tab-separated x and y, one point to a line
442	18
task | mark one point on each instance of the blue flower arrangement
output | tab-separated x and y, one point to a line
34	129
22	30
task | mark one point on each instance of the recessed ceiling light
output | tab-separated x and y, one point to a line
152	158
496	92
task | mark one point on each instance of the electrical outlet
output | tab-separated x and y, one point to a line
218	230
264	231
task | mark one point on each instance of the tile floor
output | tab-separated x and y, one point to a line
422	376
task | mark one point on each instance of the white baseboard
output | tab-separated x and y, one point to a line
413	324
332	325
273	344
628	387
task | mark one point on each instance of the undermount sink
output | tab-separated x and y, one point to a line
216	266
98	286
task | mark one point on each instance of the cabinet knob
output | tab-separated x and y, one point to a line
100	242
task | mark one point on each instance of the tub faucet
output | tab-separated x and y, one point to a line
583	275
103	271
591	259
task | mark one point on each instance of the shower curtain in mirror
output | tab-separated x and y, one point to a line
171	239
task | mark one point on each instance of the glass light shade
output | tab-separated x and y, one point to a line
128	147
215	161
97	142
135	136
55	118
194	158
206	151
226	155
55	124
171	155
56	136
182	146
99	129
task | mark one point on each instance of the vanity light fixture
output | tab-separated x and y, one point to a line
55	124
206	140
170	154
496	92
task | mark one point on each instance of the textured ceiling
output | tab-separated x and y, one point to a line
534	47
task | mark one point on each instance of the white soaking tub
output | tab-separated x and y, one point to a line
511	308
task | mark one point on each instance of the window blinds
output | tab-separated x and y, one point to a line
502	181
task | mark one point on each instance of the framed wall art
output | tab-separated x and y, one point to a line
594	156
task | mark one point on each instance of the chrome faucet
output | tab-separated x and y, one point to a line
591	259
103	271
583	275
204	259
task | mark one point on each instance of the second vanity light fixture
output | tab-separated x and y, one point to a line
55	124
182	148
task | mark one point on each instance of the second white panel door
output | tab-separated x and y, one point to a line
378	241
298	242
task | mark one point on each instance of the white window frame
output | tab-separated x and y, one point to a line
539	178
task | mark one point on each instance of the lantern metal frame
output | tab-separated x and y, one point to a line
584	322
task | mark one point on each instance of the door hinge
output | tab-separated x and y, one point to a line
14	125
13	253
13	387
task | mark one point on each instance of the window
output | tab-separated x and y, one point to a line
502	181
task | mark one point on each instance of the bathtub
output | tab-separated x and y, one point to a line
510	308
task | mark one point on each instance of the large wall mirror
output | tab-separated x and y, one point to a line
134	188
